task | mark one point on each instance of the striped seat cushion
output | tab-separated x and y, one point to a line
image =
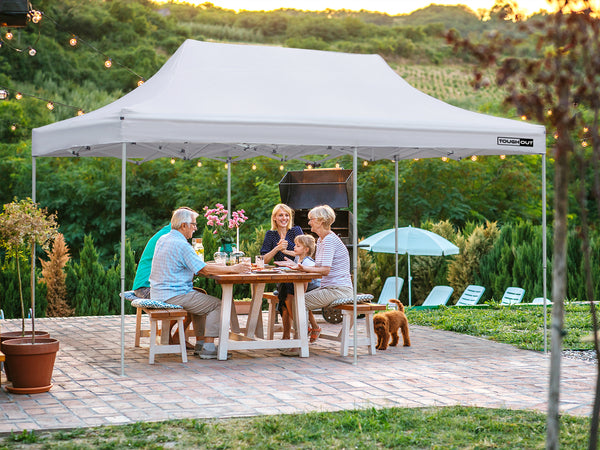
360	298
137	302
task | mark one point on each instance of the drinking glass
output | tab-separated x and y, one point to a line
260	262
246	260
220	258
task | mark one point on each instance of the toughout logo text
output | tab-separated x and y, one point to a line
515	141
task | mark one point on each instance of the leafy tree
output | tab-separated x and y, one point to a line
554	86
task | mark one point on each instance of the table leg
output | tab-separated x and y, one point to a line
226	305
300	318
254	325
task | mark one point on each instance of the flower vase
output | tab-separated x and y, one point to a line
226	247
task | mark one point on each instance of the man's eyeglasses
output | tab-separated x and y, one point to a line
192	224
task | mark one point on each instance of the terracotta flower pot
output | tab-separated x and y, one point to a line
17	335
31	365
242	307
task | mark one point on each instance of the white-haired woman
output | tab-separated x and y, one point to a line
332	262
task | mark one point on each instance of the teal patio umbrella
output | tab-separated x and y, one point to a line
409	241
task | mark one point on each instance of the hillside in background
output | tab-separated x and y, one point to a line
138	36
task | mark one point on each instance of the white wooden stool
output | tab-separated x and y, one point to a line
272	327
165	316
345	337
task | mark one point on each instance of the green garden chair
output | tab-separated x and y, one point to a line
471	295
512	296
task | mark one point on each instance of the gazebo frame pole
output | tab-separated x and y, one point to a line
544	254
33	198
396	197
229	190
355	245
123	222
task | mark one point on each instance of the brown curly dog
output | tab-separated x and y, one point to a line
387	323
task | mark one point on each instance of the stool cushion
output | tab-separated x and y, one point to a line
128	295
153	304
360	298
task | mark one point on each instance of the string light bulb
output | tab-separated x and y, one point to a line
309	167
50	106
502	156
8	35
415	159
253	166
474	158
73	41
172	160
32	51
555	135
36	16
584	144
337	165
140	82
586	129
80	112
199	164
523	117
549	113
281	167
18	96
226	166
444	158
3	94
13	127
365	163
108	63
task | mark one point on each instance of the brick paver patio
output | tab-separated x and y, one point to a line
441	368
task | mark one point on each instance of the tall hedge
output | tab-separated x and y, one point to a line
515	260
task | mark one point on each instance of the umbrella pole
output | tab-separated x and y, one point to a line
409	288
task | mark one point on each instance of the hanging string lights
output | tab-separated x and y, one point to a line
10	20
50	104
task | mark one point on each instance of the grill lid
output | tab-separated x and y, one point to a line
305	189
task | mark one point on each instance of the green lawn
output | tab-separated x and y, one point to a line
518	325
397	428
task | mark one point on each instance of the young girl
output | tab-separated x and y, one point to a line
304	250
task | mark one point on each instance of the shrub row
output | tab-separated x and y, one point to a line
490	256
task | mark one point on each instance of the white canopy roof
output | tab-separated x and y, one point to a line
223	100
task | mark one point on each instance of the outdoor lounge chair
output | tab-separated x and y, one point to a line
438	296
540	301
512	296
388	290
470	296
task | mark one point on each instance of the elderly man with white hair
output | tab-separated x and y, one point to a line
174	265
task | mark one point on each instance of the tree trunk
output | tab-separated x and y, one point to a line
559	285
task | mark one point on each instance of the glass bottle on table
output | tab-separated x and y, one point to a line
198	247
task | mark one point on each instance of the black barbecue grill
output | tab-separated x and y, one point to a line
304	189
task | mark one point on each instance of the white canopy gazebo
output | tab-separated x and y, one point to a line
231	102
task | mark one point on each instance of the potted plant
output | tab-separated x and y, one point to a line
242	306
30	359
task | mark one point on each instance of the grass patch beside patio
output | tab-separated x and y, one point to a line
518	325
409	428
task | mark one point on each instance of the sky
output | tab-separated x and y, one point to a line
391	7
